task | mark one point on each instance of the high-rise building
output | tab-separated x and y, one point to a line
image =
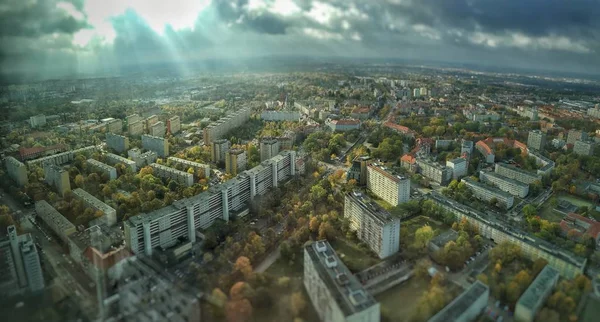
583	147
466	147
336	294
37	121
218	150
373	224
156	144
536	140
113	159
394	189
57	177
17	171
60	225
150	120
536	294
510	171
114	126
142	159
133	118
223	126
105	169
174	125
269	147
19	264
434	171
458	166
235	161
514	187
358	170
182	177
157	129
416	92
135	128
109	216
117	142
575	135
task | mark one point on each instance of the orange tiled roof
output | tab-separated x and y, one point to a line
567	225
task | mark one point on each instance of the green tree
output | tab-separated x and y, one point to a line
422	236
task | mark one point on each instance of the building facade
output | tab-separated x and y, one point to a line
574	135
335	293
113	159
583	147
62	158
57	177
269	147
223	126
459	167
392	188
60	225
142	159
515	173
135	128
156	144
218	150
467	306
157	129
434	171
174	125
201	170
37	121
343	125
133	118
114	126
514	187
182	177
17	171
372	224
235	161
292	116
117	142
536	140
488	193
20	264
105	169
535	295
109	216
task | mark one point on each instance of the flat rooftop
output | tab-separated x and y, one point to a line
370	207
489	188
386	172
461	304
517	169
532	297
503	178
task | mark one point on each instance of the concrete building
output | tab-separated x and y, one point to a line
19	264
394	189
113	159
60	225
133	118
156	144
536	140
150	121
532	300
62	158
269	147
467	306
514	187
488	193
98	246
182	177
116	142
40	151
114	126
434	171
223	126
37	121
512	172
57	177
235	161
486	151
575	135
157	129
201	170
466	147
105	169
358	170
109	216
292	116
343	125
166	226
567	263
174	125
459	167
218	150
373	224
135	128
17	171
335	293
142	159
584	147
546	165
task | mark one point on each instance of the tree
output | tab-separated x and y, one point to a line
297	303
548	315
207	257
529	211
326	231
313	224
243	265
238	310
286	250
422	236
79	181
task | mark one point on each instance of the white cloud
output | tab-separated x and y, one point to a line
71	10
426	31
285	8
321	34
519	40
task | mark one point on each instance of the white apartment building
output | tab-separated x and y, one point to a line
133	118
459	167
220	128
534	297
583	147
198	167
515	173
117	142
60	225
157	129
536	140
110	214
163	227
142	159
109	171
157	144
280	116
20	264
181	177
114	126
514	187
57	177
113	159
467	306
336	294
373	224
174	125
434	171
37	121
269	147
392	188
487	193
17	171
135	128
63	157
218	150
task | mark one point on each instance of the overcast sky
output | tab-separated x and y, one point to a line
50	38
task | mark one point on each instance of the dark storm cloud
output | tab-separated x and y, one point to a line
37	18
262	22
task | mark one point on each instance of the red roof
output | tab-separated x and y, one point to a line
107	260
408	158
397	127
40	149
581	225
484	146
361	110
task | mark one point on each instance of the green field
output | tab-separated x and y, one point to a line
355	257
546	210
397	303
282	267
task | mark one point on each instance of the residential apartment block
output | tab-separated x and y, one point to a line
574	135
113	159
392	188
372	224
434	171
269	147
156	144
157	129
459	167
57	177
133	118
280	116
510	171
17	171
164	227
142	159
62	158
117	142
584	147
567	263
150	121
535	295
135	128
182	177
37	121
201	170
103	168
109	216
335	293
223	126
40	151
60	225
235	161
114	126
536	140
488	193
343	125
467	306
486	151
174	125
514	187
218	150
20	264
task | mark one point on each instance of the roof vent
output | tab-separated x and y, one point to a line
342	279
321	246
331	262
357	297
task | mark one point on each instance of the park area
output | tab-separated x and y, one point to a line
547	209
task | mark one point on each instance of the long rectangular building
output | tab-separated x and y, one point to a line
536	294
61	226
63	157
117	142
335	293
163	227
109	171
220	128
17	171
489	193
373	224
57	177
156	144
467	306
110	214
114	159
392	188
515	173
199	168
514	187
181	177
567	263
434	171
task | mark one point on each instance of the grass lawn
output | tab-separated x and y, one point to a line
398	302
547	212
355	257
282	267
